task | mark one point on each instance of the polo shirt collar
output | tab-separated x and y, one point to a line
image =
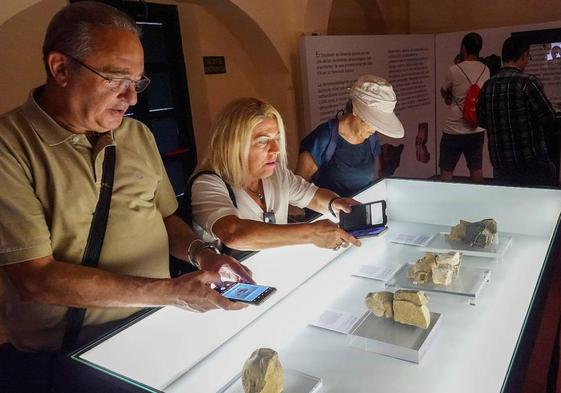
44	125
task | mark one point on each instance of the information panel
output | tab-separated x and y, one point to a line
330	64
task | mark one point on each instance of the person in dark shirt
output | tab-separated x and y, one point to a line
341	154
516	113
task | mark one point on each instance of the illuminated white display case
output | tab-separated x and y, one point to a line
478	348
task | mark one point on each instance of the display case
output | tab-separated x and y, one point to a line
479	348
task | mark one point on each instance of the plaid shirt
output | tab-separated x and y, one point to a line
515	112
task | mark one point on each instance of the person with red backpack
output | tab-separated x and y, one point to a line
460	91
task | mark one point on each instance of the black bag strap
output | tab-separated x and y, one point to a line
75	316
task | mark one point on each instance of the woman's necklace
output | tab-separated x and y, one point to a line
259	195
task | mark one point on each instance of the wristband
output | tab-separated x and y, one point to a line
194	249
329	205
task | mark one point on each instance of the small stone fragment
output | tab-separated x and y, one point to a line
422	270
447	268
263	372
479	234
380	303
418	298
443	274
409	307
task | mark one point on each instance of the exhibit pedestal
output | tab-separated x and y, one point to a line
388	337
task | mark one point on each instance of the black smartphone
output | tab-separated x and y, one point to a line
246	293
366	216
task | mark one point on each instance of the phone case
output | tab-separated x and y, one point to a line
359	217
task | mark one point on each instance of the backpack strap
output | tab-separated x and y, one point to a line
463	72
188	190
374	142
188	213
467	77
480	75
333	133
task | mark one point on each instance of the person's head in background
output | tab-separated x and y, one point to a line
370	108
95	67
516	52
247	142
471	46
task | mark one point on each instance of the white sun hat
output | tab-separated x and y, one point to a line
374	101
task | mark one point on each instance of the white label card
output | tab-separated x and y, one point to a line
338	321
377	272
412	240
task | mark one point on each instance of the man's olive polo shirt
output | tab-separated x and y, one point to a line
49	186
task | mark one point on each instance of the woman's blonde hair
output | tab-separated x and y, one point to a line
228	151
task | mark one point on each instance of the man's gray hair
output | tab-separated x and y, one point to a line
71	29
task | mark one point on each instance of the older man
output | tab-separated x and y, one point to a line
52	152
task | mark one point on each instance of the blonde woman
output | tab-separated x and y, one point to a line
245	202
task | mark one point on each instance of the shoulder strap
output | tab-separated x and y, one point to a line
196	175
480	75
463	72
188	192
330	150
467	77
374	142
75	316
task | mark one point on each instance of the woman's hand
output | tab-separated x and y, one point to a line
342	204
327	234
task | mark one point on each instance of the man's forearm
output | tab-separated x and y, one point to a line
79	286
180	236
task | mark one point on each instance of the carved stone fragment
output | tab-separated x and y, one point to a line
263	373
439	268
422	270
417	298
479	234
447	268
409	307
380	303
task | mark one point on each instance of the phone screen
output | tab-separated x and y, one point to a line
376	213
247	293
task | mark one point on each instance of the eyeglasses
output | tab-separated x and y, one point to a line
117	84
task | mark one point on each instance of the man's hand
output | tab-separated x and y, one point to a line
227	267
193	292
327	234
343	204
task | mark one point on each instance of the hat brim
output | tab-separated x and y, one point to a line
383	122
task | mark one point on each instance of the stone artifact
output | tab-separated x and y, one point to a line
479	234
410	308
439	268
447	268
380	303
422	270
407	307
262	372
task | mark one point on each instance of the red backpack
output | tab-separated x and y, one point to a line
470	103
